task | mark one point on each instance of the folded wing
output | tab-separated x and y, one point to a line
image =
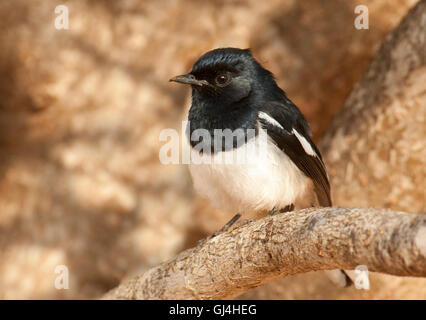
290	131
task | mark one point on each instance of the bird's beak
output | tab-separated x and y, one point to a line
189	79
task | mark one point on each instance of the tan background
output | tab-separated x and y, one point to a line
81	111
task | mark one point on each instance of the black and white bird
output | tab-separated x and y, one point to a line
231	90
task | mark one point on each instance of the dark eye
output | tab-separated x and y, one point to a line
222	79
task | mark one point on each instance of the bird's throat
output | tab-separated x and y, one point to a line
215	131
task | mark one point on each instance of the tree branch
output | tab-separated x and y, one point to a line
377	132
290	243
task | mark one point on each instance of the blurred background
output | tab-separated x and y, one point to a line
81	110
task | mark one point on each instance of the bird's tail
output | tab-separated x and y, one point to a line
339	277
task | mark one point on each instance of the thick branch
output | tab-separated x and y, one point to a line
374	149
313	239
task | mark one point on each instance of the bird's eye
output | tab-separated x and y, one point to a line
222	79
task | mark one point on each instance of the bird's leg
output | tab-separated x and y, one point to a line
274	210
228	225
225	228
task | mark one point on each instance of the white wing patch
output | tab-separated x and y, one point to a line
305	144
269	119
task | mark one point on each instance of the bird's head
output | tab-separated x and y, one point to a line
228	76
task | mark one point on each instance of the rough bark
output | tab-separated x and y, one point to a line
375	148
313	239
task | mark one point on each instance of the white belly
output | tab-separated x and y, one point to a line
269	179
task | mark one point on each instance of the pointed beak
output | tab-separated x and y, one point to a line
189	79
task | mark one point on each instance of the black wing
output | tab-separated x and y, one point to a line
284	120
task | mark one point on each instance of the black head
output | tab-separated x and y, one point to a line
226	78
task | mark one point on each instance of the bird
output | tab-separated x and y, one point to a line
232	92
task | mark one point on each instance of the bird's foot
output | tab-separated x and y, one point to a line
288	208
273	212
243	222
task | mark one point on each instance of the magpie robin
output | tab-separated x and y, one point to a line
231	90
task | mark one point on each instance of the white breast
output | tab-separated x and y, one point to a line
268	179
